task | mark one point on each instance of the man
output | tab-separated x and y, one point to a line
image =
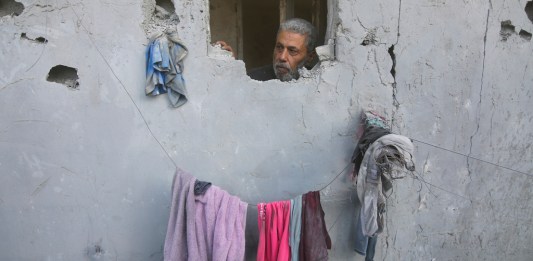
295	48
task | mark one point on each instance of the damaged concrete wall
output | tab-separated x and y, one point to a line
83	177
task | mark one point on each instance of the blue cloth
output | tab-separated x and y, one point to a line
295	228
364	245
164	68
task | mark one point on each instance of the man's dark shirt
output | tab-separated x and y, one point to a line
263	73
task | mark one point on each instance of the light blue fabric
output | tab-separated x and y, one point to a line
164	68
364	245
295	227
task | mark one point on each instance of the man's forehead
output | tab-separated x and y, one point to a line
290	37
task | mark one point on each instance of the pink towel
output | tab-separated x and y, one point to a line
273	220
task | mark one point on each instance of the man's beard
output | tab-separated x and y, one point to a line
290	75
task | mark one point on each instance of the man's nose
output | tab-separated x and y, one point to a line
283	55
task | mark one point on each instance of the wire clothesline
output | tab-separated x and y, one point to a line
329	183
474	158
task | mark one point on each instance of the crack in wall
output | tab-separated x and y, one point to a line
480	96
379	69
399	19
395	103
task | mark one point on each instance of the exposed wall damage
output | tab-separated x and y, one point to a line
529	10
80	168
508	30
39	39
65	75
11	8
159	15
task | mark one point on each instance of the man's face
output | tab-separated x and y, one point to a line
290	54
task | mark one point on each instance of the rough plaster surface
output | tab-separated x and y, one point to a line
83	179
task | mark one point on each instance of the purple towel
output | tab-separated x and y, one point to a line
181	225
220	224
204	227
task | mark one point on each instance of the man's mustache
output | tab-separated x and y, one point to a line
283	65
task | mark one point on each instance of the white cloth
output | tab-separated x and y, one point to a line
369	185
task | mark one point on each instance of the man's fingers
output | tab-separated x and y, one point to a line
226	47
222	43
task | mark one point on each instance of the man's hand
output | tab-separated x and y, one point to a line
226	47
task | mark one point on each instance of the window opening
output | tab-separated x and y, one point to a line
250	27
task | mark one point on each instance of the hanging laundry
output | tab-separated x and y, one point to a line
273	222
209	226
379	158
373	128
295	228
314	238
164	67
386	157
364	245
200	187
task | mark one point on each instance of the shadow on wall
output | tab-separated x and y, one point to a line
10	7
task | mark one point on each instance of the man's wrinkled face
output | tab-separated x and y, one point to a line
290	54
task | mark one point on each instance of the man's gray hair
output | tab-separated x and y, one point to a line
303	27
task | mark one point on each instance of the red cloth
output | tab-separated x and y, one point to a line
314	239
273	220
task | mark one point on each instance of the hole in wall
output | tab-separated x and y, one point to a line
507	29
525	35
159	15
39	39
529	10
167	5
10	7
250	27
95	252
65	75
370	38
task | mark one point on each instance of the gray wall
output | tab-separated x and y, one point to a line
82	177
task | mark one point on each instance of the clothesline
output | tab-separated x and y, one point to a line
123	87
468	156
174	163
419	178
329	183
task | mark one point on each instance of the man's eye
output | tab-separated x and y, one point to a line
293	52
